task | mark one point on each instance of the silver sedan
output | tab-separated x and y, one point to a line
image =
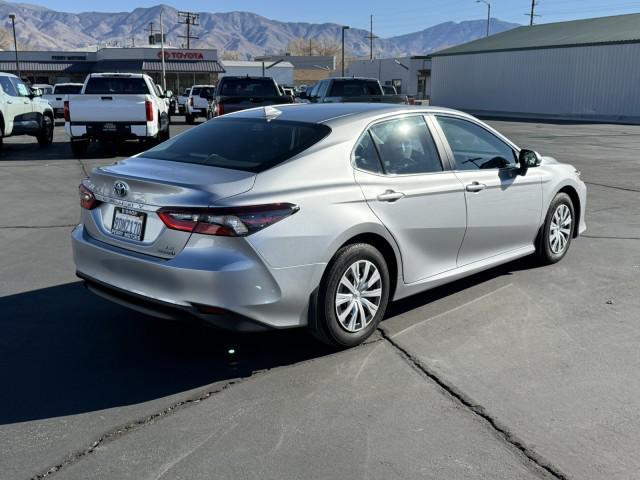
318	216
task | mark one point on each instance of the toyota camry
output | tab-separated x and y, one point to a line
318	216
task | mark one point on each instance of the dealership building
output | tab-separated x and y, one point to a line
578	70
183	68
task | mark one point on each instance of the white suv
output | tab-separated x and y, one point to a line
197	104
22	112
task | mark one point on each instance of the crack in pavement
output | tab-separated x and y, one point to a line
626	189
501	430
605	237
135	425
35	227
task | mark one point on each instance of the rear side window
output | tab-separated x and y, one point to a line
366	156
354	88
406	146
8	87
243	87
67	89
249	144
116	86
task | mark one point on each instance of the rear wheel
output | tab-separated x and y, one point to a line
45	138
79	147
556	234
190	119
353	296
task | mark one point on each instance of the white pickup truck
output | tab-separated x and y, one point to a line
116	107
59	93
198	102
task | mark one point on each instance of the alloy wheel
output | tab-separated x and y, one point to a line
358	296
560	229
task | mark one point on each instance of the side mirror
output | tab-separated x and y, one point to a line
529	159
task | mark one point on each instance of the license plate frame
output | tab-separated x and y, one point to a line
109	127
129	224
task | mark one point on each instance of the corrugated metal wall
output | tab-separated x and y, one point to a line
591	83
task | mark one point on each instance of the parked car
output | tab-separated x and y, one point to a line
198	102
239	93
24	113
45	88
182	100
57	96
116	107
318	215
351	89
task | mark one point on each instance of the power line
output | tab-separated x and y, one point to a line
189	19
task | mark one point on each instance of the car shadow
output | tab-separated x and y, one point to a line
66	351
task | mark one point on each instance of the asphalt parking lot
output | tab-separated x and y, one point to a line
519	372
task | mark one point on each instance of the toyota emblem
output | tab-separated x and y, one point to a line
120	188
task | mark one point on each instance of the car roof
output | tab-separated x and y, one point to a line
327	112
118	74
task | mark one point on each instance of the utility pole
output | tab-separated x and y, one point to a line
344	27
532	15
310	48
371	37
12	16
189	19
164	72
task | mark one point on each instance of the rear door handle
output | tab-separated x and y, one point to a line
390	196
475	187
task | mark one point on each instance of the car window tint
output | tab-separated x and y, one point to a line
249	144
366	156
116	85
406	146
474	147
67	89
8	87
248	87
354	88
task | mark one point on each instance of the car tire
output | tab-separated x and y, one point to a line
190	119
555	236
45	138
352	297
79	147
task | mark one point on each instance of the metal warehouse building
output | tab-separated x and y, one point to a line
579	70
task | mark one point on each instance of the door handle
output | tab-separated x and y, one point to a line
390	196
475	187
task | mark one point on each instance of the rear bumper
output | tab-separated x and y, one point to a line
224	273
122	130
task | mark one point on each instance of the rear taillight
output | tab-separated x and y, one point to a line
149	109
226	221
67	115
87	199
219	109
191	101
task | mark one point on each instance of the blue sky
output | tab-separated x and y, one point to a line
390	18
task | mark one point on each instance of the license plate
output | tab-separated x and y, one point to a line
128	223
109	127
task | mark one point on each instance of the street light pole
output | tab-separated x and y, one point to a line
488	4
344	27
164	71
12	16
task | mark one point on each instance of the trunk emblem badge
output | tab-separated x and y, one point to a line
120	188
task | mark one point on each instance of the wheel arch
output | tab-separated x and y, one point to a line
575	199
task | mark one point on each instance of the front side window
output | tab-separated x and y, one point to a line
406	146
365	155
249	144
474	147
8	87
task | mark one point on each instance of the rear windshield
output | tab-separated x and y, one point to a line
67	89
248	87
117	86
204	92
249	144
354	88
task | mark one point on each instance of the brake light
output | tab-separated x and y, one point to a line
219	109
148	105
191	101
67	115
226	221
87	199
411	101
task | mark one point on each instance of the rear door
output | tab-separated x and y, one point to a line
503	205
413	193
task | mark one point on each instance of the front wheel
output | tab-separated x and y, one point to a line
556	234
353	296
45	138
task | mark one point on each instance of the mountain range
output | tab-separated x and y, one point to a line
247	33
